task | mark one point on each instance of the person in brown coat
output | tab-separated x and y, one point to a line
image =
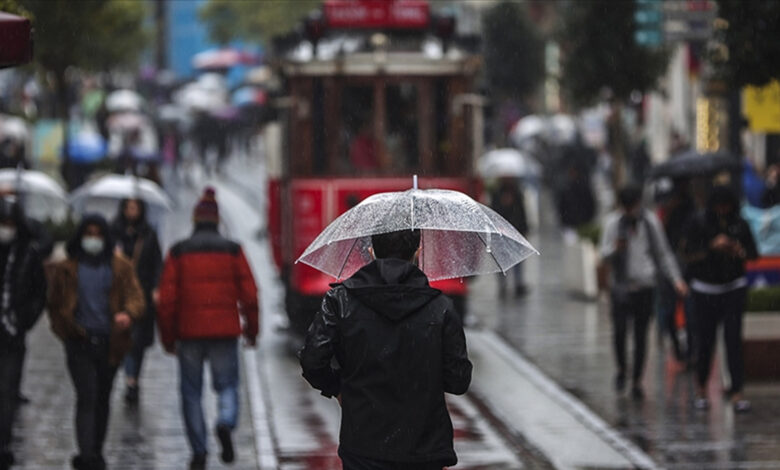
94	300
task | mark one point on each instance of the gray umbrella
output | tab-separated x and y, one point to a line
695	164
460	237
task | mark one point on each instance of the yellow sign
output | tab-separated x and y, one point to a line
762	107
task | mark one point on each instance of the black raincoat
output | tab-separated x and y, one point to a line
399	346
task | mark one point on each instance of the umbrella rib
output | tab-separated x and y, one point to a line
346	258
491	253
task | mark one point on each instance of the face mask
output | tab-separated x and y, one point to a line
92	245
7	234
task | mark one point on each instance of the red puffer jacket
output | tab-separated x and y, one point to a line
206	286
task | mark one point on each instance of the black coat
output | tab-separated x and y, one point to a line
27	289
143	249
399	346
708	265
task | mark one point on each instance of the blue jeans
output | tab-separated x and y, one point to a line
222	355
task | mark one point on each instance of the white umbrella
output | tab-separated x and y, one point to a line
507	162
526	128
562	129
124	100
118	187
460	237
43	197
14	128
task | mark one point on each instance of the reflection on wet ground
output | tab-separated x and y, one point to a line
570	340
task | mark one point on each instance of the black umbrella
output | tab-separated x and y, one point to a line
693	163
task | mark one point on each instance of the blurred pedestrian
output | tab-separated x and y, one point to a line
637	252
716	245
392	371
95	299
208	298
675	212
576	203
137	240
22	299
771	193
508	200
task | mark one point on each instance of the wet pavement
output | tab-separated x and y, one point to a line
570	341
551	406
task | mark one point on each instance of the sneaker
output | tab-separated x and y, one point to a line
131	394
198	462
701	403
226	441
741	406
620	382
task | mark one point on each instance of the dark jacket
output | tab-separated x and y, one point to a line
125	294
27	286
509	202
206	287
712	266
400	346
141	246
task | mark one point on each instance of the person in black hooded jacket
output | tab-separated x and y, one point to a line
137	240
716	245
400	346
22	298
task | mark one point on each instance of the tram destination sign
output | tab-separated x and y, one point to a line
377	14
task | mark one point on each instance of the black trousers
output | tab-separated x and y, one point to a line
11	358
636	306
710	311
93	379
356	462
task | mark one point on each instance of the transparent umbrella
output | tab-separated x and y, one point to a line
119	187
460	237
508	162
43	197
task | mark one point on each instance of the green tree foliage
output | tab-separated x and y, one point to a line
513	51
753	40
94	35
254	20
599	52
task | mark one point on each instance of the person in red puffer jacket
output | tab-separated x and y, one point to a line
206	290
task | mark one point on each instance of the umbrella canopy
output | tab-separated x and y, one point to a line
248	96
87	147
118	187
507	162
562	129
124	100
15	128
126	122
43	197
460	237
526	128
218	59
695	164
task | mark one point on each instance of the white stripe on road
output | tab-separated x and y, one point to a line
264	441
564	400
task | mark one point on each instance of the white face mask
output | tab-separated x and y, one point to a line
7	234
92	245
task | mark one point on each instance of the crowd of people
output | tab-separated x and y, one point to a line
103	301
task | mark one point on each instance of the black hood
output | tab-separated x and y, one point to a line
73	246
391	287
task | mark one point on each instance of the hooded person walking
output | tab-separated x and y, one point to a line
22	298
137	240
716	245
400	347
206	290
95	299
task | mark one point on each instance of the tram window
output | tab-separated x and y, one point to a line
402	127
358	149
